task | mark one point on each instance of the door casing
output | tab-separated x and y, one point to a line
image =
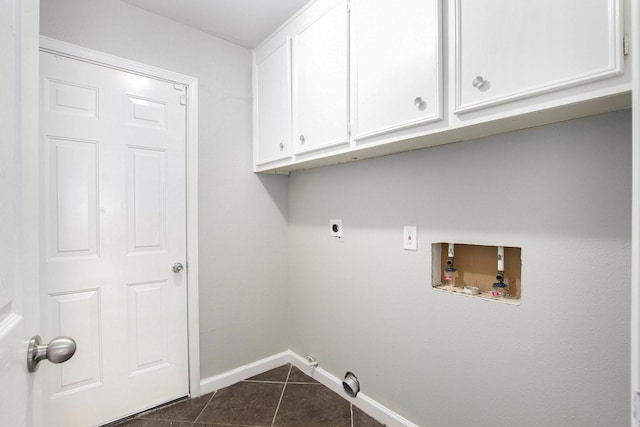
191	84
20	394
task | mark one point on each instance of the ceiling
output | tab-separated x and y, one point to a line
243	22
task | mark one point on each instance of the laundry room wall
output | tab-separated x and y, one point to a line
561	192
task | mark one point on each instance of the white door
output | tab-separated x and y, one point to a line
396	62
321	79
508	49
19	390
113	223
273	104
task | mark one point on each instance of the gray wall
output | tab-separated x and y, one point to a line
560	192
242	216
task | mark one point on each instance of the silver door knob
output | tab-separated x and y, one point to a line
58	350
177	267
302	139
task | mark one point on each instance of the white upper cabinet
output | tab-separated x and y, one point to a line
272	104
347	80
396	65
321	78
512	49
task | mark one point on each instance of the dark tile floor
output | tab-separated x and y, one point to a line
281	397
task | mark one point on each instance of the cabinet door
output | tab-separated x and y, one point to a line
511	49
273	110
321	81
396	64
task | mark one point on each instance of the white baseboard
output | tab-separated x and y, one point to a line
362	401
208	385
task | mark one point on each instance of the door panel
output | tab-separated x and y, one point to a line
72	180
113	223
147	323
85	370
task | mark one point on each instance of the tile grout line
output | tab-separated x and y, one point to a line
281	396
351	410
204	407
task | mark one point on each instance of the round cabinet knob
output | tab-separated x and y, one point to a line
302	140
281	146
480	83
420	103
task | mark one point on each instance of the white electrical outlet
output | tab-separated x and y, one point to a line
335	228
410	238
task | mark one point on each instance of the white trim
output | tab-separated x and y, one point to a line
240	373
635	217
93	56
88	55
362	401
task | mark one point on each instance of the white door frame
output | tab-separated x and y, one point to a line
635	217
77	52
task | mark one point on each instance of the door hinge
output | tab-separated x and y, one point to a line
348	5
626	42
183	99
179	86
